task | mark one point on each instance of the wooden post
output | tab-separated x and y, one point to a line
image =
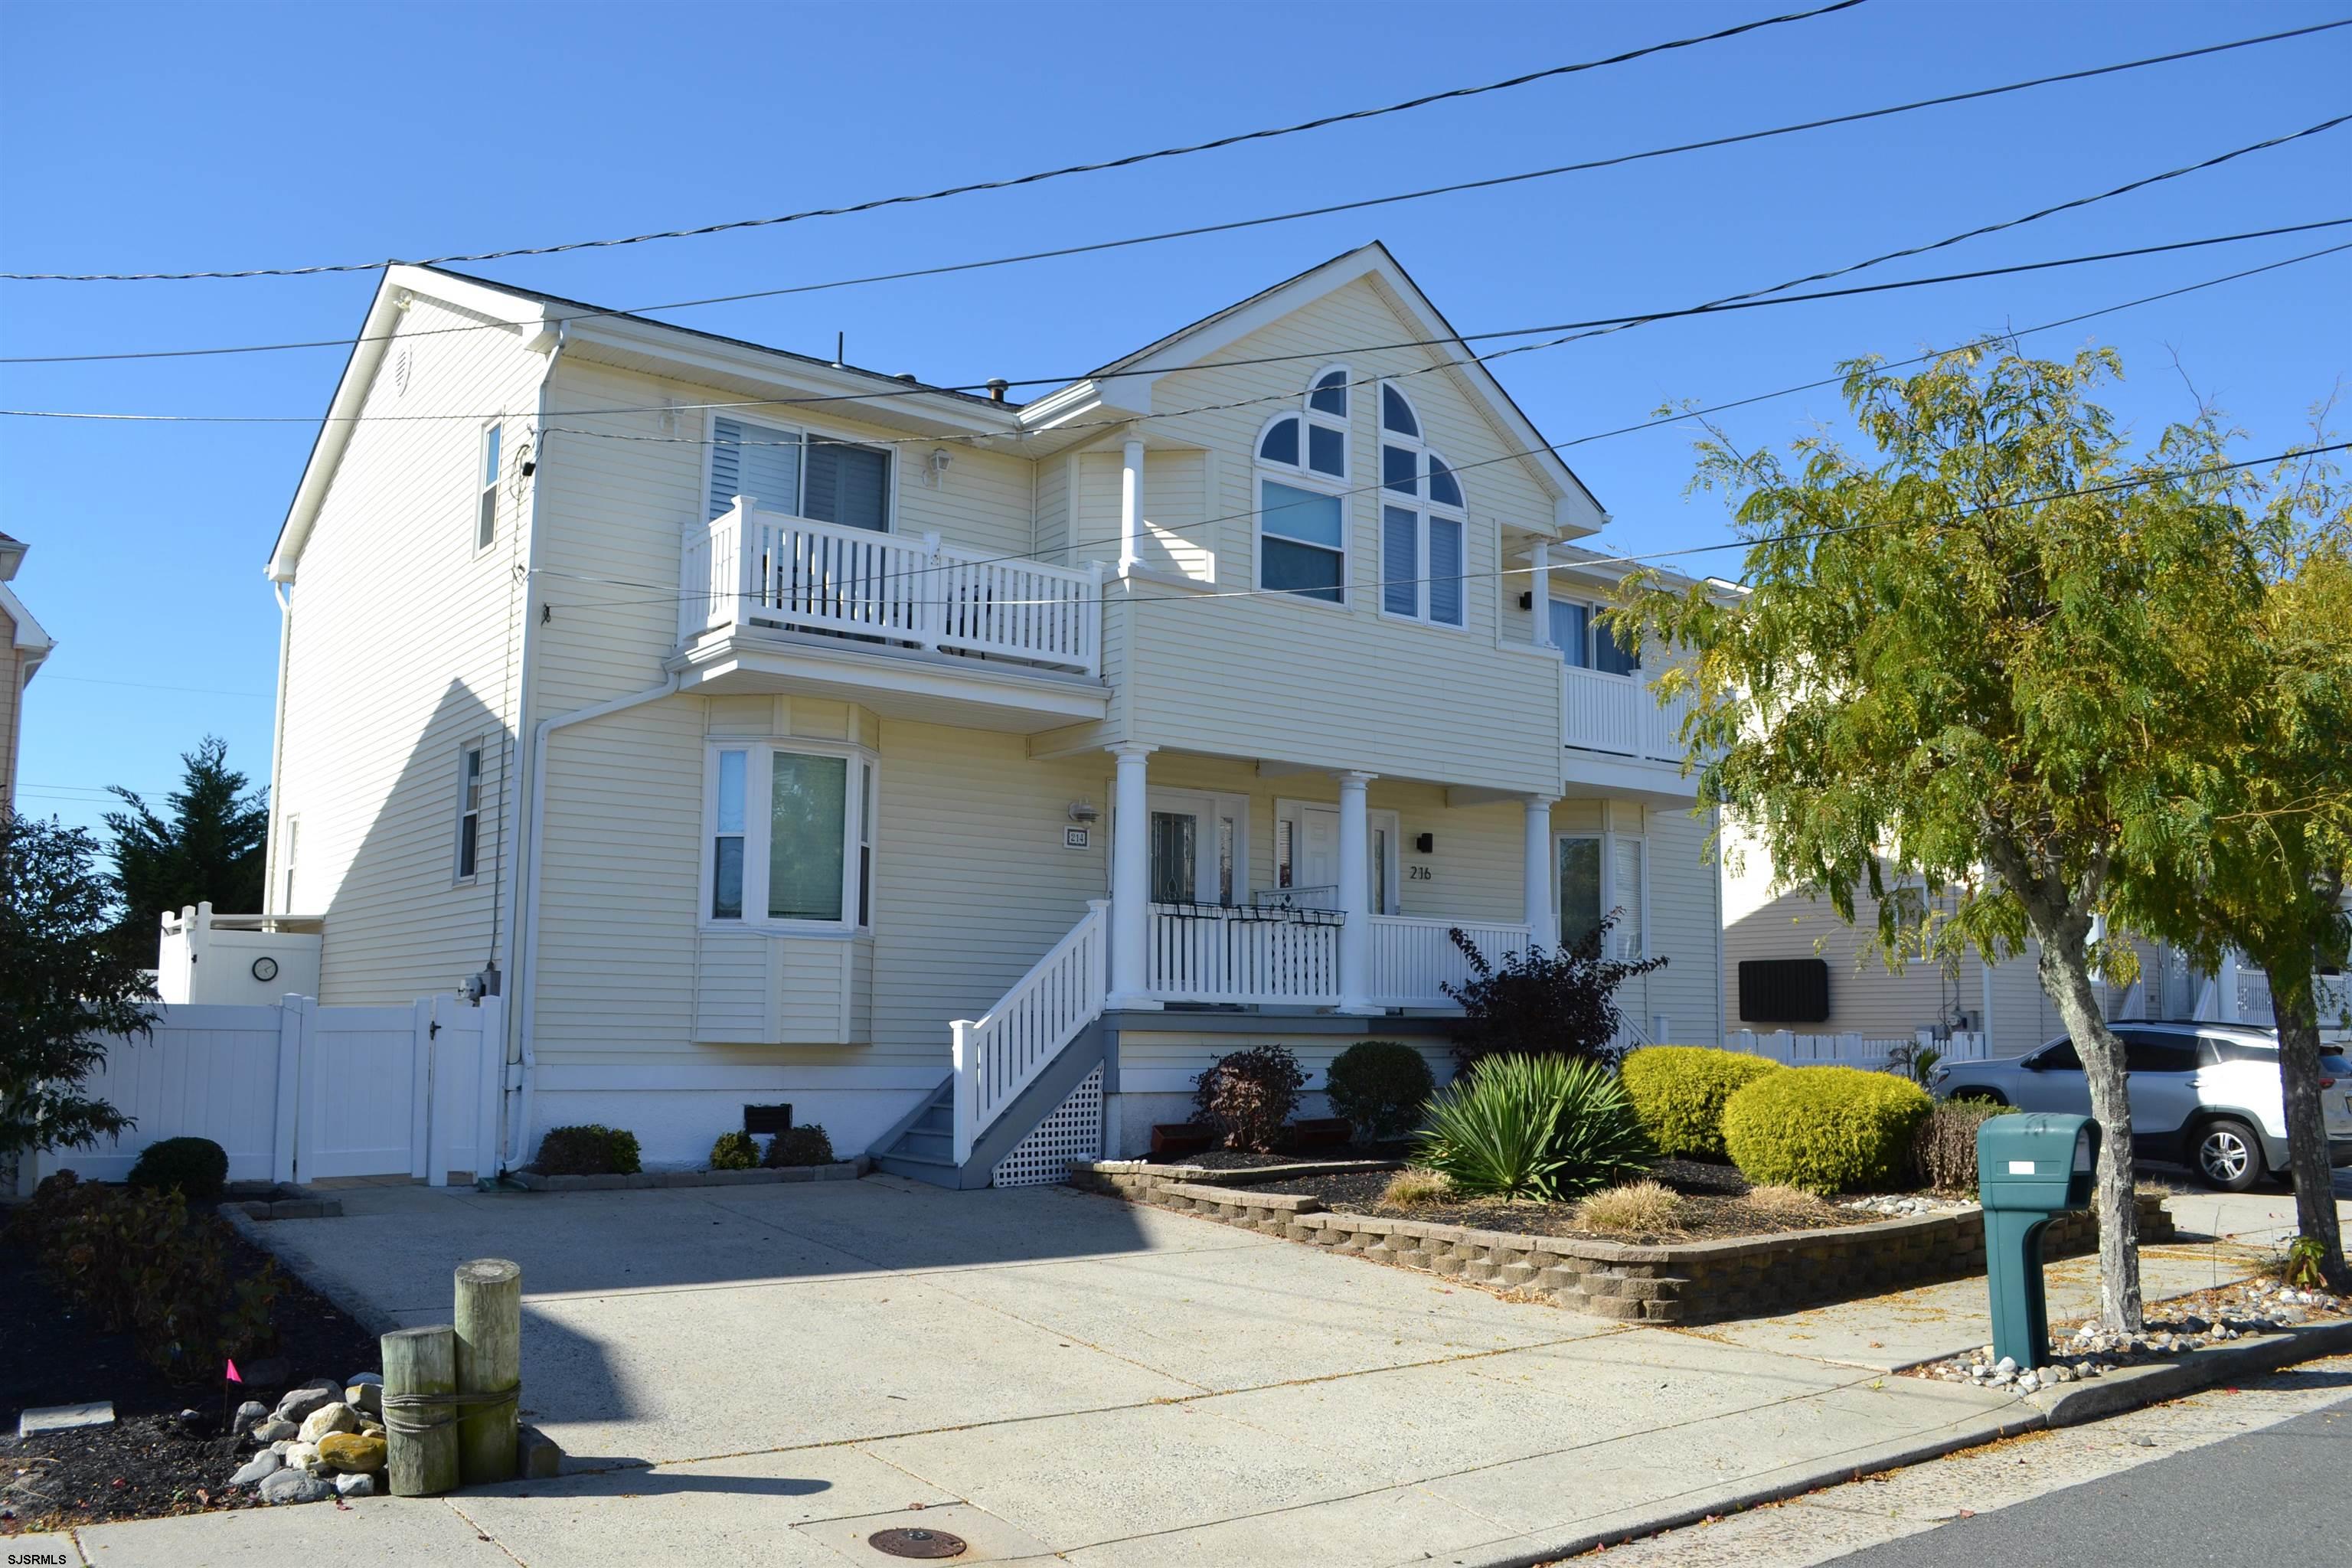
420	1463
490	1361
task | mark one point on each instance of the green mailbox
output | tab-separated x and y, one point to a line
2030	1168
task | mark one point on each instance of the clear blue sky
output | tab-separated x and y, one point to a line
137	137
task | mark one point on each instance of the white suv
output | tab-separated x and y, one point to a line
2203	1095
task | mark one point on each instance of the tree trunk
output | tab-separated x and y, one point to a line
2294	1008
2065	973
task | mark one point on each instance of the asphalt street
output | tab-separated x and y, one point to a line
2277	1494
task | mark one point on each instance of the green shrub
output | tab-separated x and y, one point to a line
735	1151
590	1148
134	1259
800	1146
1825	1130
197	1167
1678	1092
1250	1096
1380	1086
1944	1149
1534	1127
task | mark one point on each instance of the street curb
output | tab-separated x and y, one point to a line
2129	1388
2071	1405
274	1240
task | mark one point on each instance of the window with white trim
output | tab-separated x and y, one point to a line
799	473
1302	470
469	812
292	837
1584	642
1600	872
1424	527
790	836
486	499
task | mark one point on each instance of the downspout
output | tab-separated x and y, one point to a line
527	979
277	753
1722	1016
512	785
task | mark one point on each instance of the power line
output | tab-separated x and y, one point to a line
1129	161
1730	303
1227	226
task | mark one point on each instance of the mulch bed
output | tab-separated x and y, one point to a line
1242	1160
148	1464
1714	1207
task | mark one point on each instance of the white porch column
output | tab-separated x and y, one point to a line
1542	915
1355	895
1130	879
1539	589
1130	505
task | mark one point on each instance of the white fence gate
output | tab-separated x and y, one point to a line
297	1091
1852	1050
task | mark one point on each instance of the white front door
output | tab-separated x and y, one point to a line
1199	853
1311	834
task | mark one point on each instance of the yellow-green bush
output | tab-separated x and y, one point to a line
1679	1091
1825	1130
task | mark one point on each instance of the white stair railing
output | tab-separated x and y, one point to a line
1001	1052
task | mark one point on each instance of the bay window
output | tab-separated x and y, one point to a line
800	474
791	836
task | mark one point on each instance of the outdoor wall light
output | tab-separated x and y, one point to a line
1084	811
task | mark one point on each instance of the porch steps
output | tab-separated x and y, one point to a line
921	1147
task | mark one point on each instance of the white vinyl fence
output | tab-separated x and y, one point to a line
297	1091
1852	1050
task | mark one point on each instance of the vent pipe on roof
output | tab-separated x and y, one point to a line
840	345
997	388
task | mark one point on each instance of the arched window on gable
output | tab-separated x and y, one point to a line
1424	522
1302	473
1314	440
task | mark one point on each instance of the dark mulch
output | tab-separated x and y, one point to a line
147	1464
1714	1208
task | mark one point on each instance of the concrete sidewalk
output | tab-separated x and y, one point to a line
771	1374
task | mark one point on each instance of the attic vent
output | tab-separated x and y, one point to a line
400	371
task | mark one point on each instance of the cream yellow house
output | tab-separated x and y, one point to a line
965	774
23	645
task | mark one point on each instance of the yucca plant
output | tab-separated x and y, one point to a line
1534	1127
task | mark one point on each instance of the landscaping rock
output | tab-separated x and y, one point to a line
303	1457
298	1403
250	1415
365	1398
348	1451
359	1377
276	1431
537	1456
335	1417
258	1469
294	1486
354	1486
64	1417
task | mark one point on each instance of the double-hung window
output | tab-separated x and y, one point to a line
1600	872
469	812
790	842
1302	465
486	490
1424	524
799	474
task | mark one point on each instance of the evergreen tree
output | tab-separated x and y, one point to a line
210	848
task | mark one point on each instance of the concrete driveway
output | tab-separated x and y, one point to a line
770	1374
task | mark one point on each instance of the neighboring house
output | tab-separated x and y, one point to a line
1790	963
964	775
25	645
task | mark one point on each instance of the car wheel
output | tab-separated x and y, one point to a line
2226	1155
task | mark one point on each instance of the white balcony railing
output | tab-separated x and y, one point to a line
748	567
1414	959
1602	712
1204	953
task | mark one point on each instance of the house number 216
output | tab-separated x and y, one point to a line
1417	874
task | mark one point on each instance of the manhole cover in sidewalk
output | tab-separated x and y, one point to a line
910	1543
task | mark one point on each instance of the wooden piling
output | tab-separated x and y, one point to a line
490	1361
420	1443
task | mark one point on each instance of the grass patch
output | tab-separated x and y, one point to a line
1415	1188
1636	1206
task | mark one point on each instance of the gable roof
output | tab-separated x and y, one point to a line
1582	511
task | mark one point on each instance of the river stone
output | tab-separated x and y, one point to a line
274	1431
258	1469
335	1417
293	1486
250	1415
348	1451
298	1403
367	1398
301	1456
354	1486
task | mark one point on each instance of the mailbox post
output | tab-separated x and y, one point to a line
2030	1169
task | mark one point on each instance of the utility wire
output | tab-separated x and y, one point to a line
1129	161
1226	226
1735	302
